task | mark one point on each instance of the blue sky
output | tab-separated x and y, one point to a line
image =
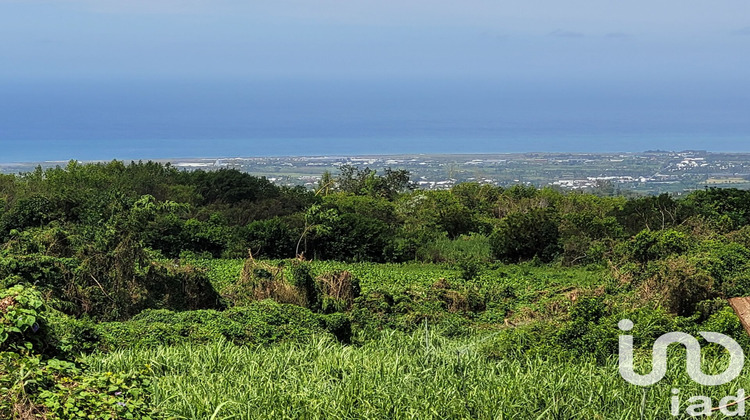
520	40
86	77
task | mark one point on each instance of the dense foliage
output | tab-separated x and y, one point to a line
153	263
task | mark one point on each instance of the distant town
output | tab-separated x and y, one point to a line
650	172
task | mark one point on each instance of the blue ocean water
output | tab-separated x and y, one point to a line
142	120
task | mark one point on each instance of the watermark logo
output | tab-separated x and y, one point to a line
659	361
693	349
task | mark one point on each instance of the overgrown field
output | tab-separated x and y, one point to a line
548	353
142	292
522	288
544	349
421	375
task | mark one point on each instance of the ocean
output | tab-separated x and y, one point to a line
92	120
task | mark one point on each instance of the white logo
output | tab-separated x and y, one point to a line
659	361
702	404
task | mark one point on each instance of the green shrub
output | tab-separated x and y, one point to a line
728	264
70	336
54	389
525	236
652	245
338	324
22	326
42	270
261	322
726	322
680	285
469	268
33	386
301	277
338	290
649	323
588	332
271	238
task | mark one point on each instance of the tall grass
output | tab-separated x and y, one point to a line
398	376
453	250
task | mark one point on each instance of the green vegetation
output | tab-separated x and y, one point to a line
139	291
395	376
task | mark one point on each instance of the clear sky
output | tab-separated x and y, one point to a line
132	78
520	40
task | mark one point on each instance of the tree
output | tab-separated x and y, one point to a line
318	221
270	238
229	186
652	213
477	197
524	236
355	237
728	208
366	181
326	184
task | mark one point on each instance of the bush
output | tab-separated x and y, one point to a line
355	237
469	268
338	324
679	285
588	332
259	281
271	238
652	245
42	270
728	264
71	336
36	387
22	326
302	280
525	236
338	291
329	292
262	322
59	389
726	322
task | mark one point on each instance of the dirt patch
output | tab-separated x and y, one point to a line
6	303
442	284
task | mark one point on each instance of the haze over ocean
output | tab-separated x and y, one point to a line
139	79
142	120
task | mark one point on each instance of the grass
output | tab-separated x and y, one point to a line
453	250
529	282
398	376
491	370
519	293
